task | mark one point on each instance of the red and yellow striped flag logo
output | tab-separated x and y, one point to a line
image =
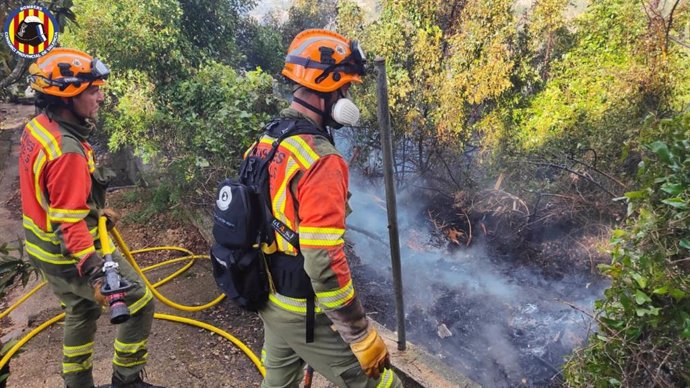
30	31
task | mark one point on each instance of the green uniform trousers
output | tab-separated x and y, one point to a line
81	314
285	351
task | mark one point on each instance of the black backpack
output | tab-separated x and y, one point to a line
243	221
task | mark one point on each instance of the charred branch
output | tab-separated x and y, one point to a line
572	171
449	171
435	190
368	234
591	167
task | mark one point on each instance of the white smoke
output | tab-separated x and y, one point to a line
508	322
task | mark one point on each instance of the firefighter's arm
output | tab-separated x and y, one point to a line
68	184
322	196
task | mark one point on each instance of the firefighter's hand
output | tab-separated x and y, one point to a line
112	216
91	267
372	354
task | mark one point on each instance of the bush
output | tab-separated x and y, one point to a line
644	319
210	119
13	266
181	102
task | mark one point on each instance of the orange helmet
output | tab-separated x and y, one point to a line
323	60
65	72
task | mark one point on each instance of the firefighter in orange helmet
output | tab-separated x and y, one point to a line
63	195
313	314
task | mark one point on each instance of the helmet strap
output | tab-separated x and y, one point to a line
326	119
307	105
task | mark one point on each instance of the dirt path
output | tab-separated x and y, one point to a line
179	355
12	118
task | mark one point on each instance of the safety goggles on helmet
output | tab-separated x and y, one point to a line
352	64
358	57
99	71
65	72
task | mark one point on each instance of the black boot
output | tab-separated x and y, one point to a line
137	383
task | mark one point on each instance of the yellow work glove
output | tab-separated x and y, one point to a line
372	354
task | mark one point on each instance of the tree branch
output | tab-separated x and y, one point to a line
669	24
450	172
16	74
597	170
565	168
368	234
680	42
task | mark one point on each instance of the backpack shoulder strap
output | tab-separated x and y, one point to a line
293	127
254	171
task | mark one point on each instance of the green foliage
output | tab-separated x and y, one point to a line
262	46
606	75
571	96
644	329
589	94
134	35
198	136
177	93
13	266
155	201
543	89
447	64
213	116
586	101
459	59
210	26
130	113
592	85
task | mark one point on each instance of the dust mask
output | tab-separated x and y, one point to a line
345	112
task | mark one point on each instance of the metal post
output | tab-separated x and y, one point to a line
387	147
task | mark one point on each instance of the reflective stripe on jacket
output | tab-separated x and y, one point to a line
309	190
55	167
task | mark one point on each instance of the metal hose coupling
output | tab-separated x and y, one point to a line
115	289
115	286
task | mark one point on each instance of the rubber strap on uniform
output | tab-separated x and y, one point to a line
311	314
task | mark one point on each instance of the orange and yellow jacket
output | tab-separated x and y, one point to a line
309	190
60	214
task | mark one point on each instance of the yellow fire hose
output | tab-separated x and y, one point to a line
129	255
